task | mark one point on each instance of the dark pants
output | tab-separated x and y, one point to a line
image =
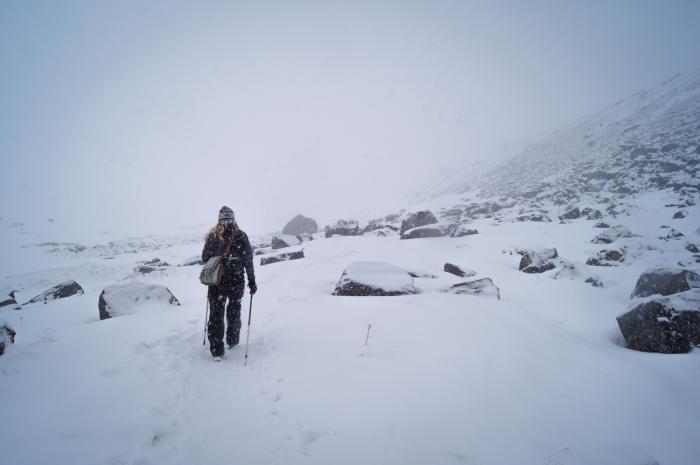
218	295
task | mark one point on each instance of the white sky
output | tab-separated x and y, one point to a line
147	116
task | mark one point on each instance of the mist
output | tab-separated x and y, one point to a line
149	116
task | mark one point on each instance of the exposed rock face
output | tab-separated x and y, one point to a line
611	235
282	257
462	230
150	266
422	218
480	286
432	230
665	281
60	291
300	225
571	214
374	279
607	258
126	299
668	325
458	271
7	336
538	261
9	300
343	228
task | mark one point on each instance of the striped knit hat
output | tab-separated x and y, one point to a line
226	215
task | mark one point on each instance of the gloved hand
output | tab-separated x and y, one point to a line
253	288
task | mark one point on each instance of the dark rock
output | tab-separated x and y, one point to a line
538	261
592	214
278	243
457	271
601	225
668	325
421	274
7	336
611	235
665	281
692	248
606	258
10	300
571	214
421	232
594	282
479	286
343	228
536	217
282	257
60	291
300	225
150	266
678	215
672	234
461	231
126	299
422	218
374	279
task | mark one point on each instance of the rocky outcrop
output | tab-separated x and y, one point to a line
9	300
150	266
343	228
667	325
665	281
374	279
483	286
432	230
278	243
300	225
538	261
458	271
421	218
607	258
7	336
591	214
282	257
127	299
462	230
60	291
571	214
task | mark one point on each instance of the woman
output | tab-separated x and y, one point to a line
240	256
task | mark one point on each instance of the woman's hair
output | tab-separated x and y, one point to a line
218	230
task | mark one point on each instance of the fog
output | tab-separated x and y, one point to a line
148	116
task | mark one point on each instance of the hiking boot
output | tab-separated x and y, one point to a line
218	358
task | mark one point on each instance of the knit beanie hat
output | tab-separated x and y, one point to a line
226	214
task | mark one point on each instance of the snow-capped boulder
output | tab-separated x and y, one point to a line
591	213
343	228
300	225
462	230
690	247
60	291
571	214
7	335
128	299
458	271
374	279
595	282
538	261
379	225
151	265
432	230
193	260
672	235
679	214
602	225
483	286
607	258
665	281
282	257
421	218
536	217
9	300
667	325
611	235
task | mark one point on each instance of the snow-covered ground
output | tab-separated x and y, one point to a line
539	377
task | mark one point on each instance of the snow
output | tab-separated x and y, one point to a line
126	299
384	276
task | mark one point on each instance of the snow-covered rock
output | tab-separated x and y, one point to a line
374	279
538	261
480	286
607	257
9	300
7	335
571	214
282	257
127	299
665	281
300	224
343	228
431	230
611	235
463	230
150	266
458	270
667	325
415	220
60	291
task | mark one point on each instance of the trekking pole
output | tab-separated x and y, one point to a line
250	312
206	318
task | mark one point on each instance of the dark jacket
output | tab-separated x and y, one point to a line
240	256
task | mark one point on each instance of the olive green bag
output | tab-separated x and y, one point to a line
213	269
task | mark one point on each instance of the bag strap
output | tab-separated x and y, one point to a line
228	244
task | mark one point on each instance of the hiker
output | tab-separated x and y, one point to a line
239	258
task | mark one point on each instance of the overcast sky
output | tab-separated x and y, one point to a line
146	116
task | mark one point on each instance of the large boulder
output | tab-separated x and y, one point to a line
422	218
665	281
7	335
127	299
282	257
374	279
9	300
432	230
300	225
606	258
571	214
611	235
462	230
480	286
591	214
667	325
458	271
538	261
343	228
60	291
278	243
